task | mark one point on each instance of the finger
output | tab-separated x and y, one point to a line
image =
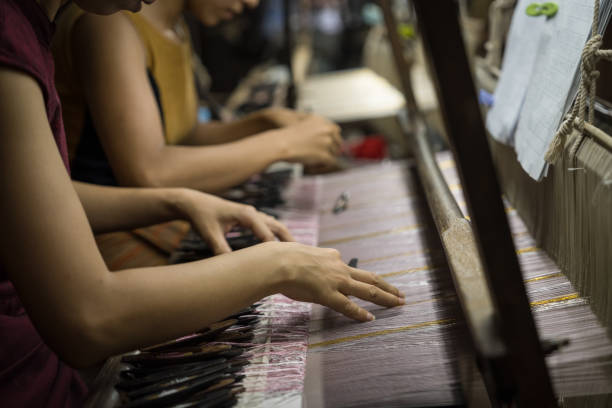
341	304
323	160
254	220
337	137
334	149
373	279
215	238
321	167
280	230
327	160
371	293
334	142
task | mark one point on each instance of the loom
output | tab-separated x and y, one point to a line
490	319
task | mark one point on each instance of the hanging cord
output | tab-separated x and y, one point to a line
586	93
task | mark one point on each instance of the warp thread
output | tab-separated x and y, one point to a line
277	353
406	356
569	215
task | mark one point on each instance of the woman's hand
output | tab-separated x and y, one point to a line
213	217
319	275
314	141
281	117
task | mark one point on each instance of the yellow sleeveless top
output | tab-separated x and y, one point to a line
169	64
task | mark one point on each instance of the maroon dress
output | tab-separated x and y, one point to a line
31	375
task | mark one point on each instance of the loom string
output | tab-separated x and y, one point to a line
589	74
348	362
278	350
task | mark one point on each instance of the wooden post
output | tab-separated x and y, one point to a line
442	37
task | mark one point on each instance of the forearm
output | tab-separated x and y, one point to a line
120	208
215	132
213	168
210	290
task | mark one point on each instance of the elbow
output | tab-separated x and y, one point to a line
86	340
82	359
141	176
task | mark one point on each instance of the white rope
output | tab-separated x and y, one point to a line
591	55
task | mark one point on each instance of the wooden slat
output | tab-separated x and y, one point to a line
457	239
439	28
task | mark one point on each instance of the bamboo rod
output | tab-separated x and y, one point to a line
461	251
601	137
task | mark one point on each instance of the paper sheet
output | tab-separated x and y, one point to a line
540	77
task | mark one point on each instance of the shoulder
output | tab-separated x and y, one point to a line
106	27
20	47
107	39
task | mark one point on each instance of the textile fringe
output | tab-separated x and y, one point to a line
568	213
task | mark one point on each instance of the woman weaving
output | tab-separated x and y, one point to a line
51	268
133	74
129	103
129	100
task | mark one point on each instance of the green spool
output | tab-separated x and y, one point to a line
534	10
549	9
406	31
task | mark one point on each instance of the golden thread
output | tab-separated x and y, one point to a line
406	271
424	324
528	249
383	258
369	235
555	300
454	187
446	164
432	300
539	278
425	251
380	333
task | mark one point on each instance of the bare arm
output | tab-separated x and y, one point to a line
110	61
216	132
120	208
86	313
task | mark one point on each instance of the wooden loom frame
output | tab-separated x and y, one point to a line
483	262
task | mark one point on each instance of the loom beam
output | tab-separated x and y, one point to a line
483	260
441	33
